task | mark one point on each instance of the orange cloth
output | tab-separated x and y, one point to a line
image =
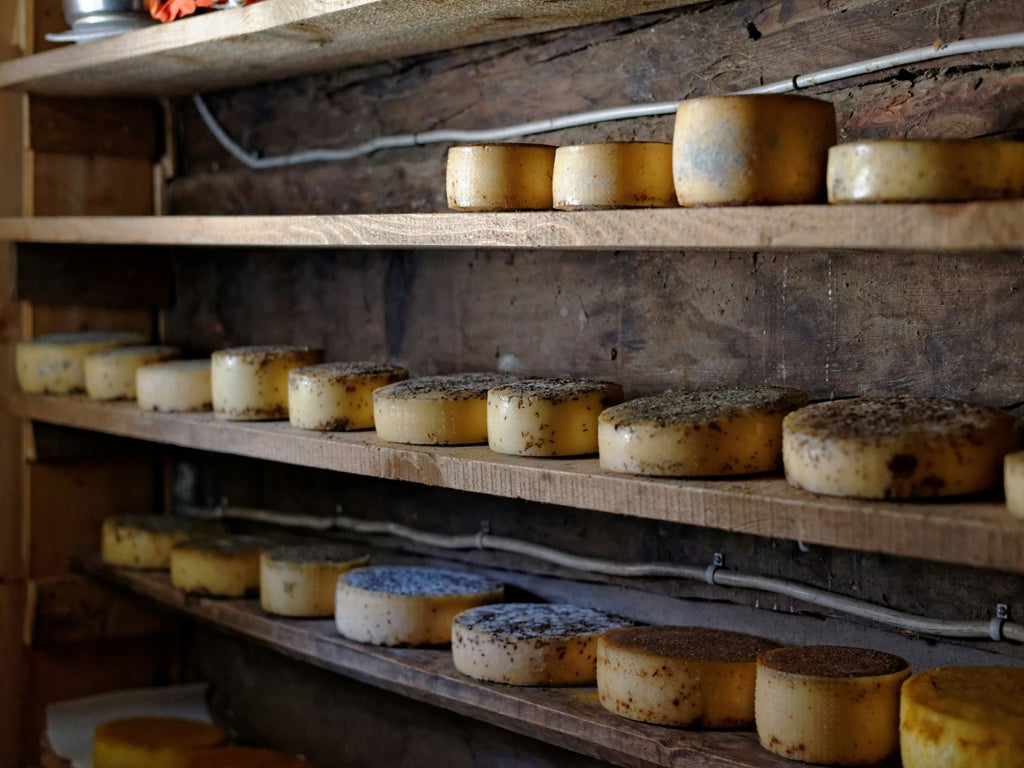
169	10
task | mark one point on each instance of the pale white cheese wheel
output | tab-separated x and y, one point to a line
435	410
53	364
925	171
705	432
963	717
178	385
829	704
752	149
110	374
337	396
1013	482
530	643
683	676
898	447
251	383
146	541
548	417
614	174
301	579
500	177
407	605
219	566
151	742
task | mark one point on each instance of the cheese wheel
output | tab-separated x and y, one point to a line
337	396
530	643
251	383
548	417
727	431
219	566
684	676
435	410
396	605
1013	482
829	704
963	717
500	177
898	447
752	149
146	541
151	742
300	580
241	757
110	374
615	174
53	364
178	385
925	171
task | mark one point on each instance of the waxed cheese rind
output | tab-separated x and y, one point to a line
500	177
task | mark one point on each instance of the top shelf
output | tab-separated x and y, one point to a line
285	38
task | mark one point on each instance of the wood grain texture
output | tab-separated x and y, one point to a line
114	127
88	185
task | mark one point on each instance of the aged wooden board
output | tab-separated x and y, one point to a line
118	128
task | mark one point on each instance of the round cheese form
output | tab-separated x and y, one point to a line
179	385
615	174
683	676
752	149
500	177
548	417
146	541
925	171
337	396
727	431
530	643
110	374
829	704
241	757
219	566
151	742
963	717
300	580
898	447
404	605
53	364
1013	482
251	383
435	410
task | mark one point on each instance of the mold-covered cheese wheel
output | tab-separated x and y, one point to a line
615	174
242	757
406	605
219	566
500	177
54	364
110	374
151	742
898	447
925	171
726	431
829	704
548	417
963	717
337	396
178	385
1013	482
752	149
300	580
530	643
146	541
683	676
251	383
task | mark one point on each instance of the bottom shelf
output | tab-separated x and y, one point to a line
570	718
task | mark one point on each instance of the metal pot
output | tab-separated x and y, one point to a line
81	12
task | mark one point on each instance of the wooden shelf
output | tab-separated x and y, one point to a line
993	226
567	717
977	533
285	38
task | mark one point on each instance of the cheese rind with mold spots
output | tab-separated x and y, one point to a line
152	742
111	373
177	385
530	643
337	396
614	174
300	580
54	364
724	431
548	417
146	541
499	177
251	383
897	447
219	566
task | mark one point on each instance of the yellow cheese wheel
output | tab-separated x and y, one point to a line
219	566
251	383
146	541
241	757
925	171
752	149
963	717
300	580
178	385
151	742
614	174
683	676
1013	482
500	177
337	396
110	374
54	364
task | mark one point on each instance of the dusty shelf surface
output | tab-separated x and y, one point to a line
973	532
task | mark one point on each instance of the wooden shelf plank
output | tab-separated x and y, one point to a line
285	38
991	226
567	717
976	532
